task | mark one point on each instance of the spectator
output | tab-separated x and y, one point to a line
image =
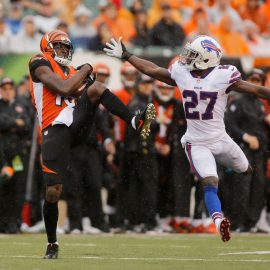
167	32
4	8
14	127
46	21
14	20
175	180
63	26
98	42
265	8
245	121
132	7
136	5
232	42
129	77
141	37
252	11
86	179
155	11
258	45
142	195
5	36
118	26
199	20
28	39
223	8
82	31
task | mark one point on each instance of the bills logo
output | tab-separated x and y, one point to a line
210	46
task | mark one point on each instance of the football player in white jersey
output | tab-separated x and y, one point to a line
204	85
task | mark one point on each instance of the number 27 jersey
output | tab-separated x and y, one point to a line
204	100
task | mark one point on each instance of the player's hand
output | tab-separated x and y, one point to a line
19	122
117	49
86	65
267	119
252	141
110	148
165	149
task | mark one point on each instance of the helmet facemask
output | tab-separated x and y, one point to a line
189	57
62	52
202	53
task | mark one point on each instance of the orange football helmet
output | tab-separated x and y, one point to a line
49	43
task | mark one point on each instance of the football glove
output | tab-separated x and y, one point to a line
117	49
89	80
91	68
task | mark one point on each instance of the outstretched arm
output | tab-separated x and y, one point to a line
151	69
118	49
249	88
43	73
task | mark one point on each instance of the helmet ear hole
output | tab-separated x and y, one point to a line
206	60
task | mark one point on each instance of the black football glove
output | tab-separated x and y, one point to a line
79	67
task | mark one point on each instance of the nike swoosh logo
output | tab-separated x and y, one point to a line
140	124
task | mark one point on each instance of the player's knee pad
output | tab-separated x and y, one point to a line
210	181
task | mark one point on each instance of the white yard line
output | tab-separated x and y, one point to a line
136	258
259	252
80	245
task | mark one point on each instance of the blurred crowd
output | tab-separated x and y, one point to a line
241	26
118	183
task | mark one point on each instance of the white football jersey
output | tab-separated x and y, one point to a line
204	100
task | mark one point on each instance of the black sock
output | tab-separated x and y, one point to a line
114	105
50	213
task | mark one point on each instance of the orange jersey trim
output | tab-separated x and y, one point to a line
47	170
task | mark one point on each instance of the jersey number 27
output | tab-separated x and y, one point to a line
193	101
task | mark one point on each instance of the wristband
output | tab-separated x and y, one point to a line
126	55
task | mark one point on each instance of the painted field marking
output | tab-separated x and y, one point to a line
259	252
80	245
137	258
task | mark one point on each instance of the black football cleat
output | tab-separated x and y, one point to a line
224	230
143	120
51	252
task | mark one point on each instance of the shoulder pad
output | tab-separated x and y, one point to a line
36	57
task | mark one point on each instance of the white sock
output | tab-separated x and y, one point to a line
133	123
217	223
55	243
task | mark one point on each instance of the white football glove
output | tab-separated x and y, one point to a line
117	49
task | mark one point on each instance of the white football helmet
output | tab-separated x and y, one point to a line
201	53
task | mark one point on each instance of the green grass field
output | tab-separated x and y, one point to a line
138	252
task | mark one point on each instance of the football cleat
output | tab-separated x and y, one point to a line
51	252
224	230
143	120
